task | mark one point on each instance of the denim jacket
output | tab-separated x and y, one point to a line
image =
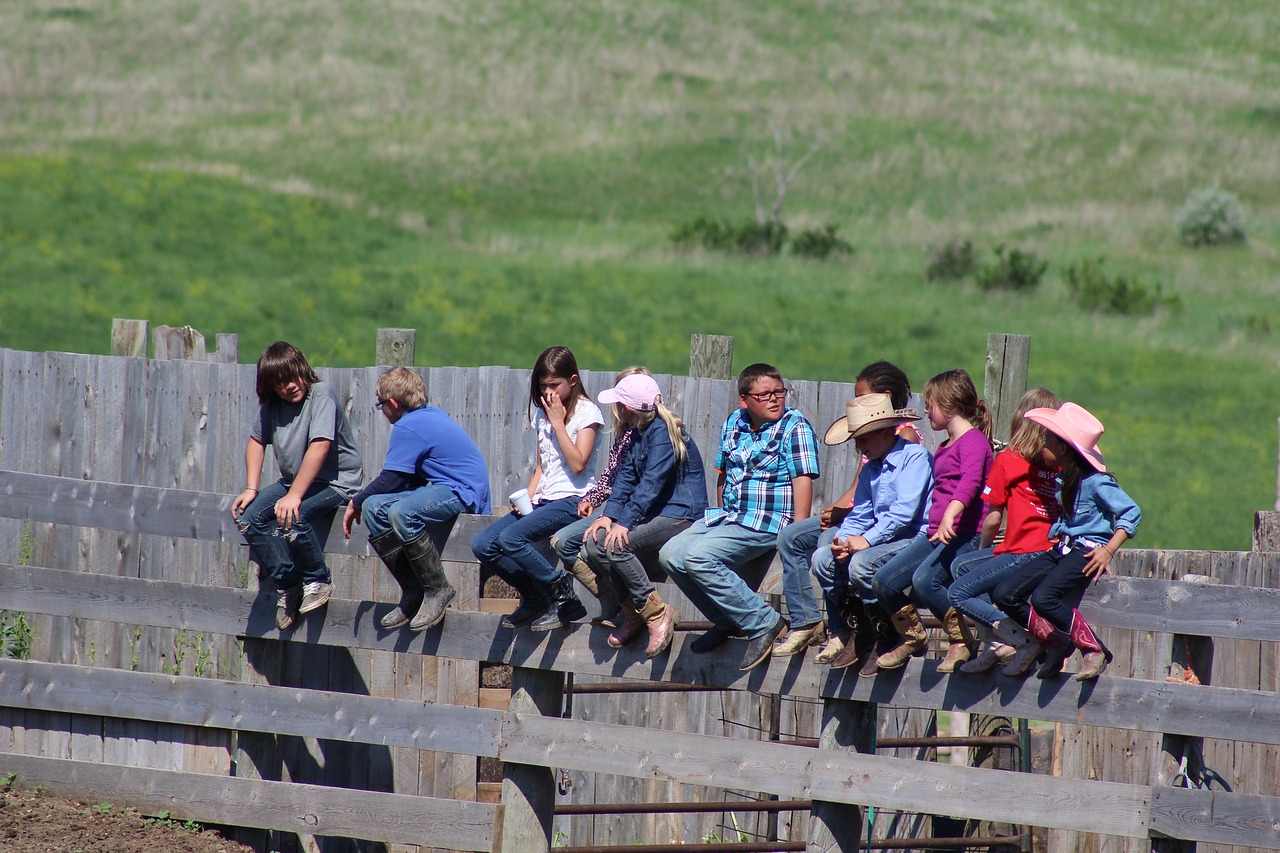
650	484
1102	507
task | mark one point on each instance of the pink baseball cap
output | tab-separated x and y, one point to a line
637	392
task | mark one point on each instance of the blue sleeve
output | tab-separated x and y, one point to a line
402	454
802	450
1125	513
659	465
910	486
862	514
386	483
625	481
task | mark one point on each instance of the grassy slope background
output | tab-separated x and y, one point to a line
503	176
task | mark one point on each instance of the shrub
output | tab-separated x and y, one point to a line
1012	270
820	243
705	231
1094	290
720	235
760	238
1211	216
951	261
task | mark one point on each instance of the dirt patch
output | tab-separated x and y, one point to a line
35	821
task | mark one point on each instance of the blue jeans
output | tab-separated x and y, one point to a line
300	559
700	562
508	542
568	542
857	574
796	546
409	514
976	575
623	566
921	570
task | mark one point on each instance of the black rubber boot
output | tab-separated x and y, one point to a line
533	600
564	607
424	561
391	551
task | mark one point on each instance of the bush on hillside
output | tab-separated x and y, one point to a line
820	243
1094	290
720	235
1211	216
951	261
1013	269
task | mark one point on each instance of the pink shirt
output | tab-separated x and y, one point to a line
959	472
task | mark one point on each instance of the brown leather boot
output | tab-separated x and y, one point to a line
914	639
958	651
661	620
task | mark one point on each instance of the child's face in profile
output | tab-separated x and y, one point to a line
1054	450
291	391
938	416
765	401
874	445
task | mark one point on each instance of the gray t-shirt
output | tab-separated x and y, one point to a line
290	428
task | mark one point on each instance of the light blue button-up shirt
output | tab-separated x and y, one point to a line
892	498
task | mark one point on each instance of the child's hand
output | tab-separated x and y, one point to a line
840	549
585	509
946	531
287	511
1099	562
351	516
832	516
618	538
242	501
854	544
604	522
554	407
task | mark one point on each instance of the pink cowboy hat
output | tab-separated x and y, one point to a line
1074	425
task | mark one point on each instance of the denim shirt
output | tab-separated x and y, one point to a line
892	498
1102	507
650	484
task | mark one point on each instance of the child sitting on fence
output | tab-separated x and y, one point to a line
766	462
660	490
802	542
1022	490
922	570
315	450
569	540
432	473
566	424
1097	518
890	508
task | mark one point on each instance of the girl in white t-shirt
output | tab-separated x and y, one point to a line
566	424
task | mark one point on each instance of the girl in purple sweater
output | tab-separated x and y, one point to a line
922	570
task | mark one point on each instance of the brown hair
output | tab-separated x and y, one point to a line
404	386
954	391
557	361
1026	438
752	372
280	363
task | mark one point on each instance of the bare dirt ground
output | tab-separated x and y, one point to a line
39	822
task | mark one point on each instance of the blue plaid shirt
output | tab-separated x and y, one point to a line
758	469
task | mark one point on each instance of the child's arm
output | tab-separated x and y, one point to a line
1100	558
254	455
576	451
801	496
839	510
973	472
535	478
717	500
312	461
991	526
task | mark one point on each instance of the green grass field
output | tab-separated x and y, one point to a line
506	176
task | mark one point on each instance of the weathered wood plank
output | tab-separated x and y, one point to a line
307	809
1215	816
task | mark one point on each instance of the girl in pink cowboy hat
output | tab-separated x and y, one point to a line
1097	518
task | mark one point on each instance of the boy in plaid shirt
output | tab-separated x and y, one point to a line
767	462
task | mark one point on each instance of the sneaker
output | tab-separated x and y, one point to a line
315	595
287	606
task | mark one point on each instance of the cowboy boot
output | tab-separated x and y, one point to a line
861	634
993	652
882	639
390	550
628	628
835	645
958	650
424	562
563	608
599	585
799	639
914	639
661	621
1096	655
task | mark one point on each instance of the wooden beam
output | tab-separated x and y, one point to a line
129	338
710	357
1005	380
528	787
395	347
289	807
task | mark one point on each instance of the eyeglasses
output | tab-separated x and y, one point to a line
377	407
769	396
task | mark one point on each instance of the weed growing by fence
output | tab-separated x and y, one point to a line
15	635
1211	216
1094	290
1013	269
951	261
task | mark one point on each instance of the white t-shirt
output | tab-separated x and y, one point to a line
557	480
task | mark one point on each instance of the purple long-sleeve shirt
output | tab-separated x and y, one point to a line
959	472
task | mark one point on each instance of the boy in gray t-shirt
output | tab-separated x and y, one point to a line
299	416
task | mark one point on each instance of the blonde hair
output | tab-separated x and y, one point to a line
404	386
615	420
675	427
954	391
1026	438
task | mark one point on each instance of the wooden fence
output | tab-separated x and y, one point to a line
118	476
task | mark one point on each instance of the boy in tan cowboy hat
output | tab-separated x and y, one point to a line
890	507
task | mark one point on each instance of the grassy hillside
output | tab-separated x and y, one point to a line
507	176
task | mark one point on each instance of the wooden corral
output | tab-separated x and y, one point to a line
158	678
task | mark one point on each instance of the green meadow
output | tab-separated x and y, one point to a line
504	176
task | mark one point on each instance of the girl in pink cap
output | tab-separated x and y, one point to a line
1097	518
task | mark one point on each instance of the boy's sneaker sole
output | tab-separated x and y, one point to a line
315	595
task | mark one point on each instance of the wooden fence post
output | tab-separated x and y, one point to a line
711	357
529	791
227	350
396	347
1008	360
846	725
129	337
178	343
